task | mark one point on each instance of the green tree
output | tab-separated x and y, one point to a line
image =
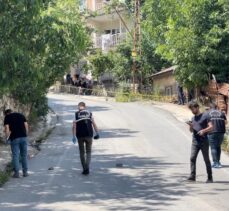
151	62
101	63
39	40
191	34
123	61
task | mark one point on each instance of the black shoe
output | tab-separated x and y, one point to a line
25	174
191	179
86	172
209	180
16	175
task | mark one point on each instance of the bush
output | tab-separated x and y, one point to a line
39	109
42	39
4	175
225	145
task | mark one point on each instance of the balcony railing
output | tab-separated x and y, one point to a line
99	6
109	41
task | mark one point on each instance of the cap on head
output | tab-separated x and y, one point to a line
7	111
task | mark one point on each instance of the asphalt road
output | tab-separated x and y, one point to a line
152	145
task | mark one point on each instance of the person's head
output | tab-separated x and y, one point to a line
194	107
213	106
7	111
81	106
223	108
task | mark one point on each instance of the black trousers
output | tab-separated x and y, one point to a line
202	146
85	146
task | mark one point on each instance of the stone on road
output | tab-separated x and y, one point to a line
151	148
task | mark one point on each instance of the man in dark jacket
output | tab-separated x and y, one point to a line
83	131
16	130
216	136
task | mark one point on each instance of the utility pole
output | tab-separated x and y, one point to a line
136	37
136	41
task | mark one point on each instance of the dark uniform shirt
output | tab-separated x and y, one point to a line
84	127
16	122
218	119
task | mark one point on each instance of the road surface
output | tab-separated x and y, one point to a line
152	145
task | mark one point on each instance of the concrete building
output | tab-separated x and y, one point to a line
108	28
164	82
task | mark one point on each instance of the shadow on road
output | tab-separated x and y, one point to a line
140	185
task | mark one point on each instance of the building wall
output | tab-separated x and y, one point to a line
95	5
90	4
165	84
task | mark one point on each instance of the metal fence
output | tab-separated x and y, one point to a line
100	92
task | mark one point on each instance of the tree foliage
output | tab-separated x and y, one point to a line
193	35
39	40
101	63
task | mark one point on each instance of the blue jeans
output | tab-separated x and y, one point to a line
215	141
19	148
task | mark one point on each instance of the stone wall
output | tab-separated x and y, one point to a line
8	102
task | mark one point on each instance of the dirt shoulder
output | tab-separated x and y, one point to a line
181	112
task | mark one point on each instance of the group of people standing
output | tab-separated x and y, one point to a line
85	85
208	128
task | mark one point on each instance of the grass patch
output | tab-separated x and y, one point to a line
132	97
225	145
122	98
5	175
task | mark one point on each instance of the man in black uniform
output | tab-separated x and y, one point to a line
216	136
16	130
199	126
83	131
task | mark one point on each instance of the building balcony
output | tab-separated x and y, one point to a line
108	41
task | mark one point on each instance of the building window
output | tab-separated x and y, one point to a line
112	31
107	31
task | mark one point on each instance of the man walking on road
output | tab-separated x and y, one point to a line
199	126
83	131
16	130
216	136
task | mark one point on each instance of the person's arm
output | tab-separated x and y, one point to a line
206	130
94	125
26	127
7	131
225	118
189	123
191	128
74	138
74	128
